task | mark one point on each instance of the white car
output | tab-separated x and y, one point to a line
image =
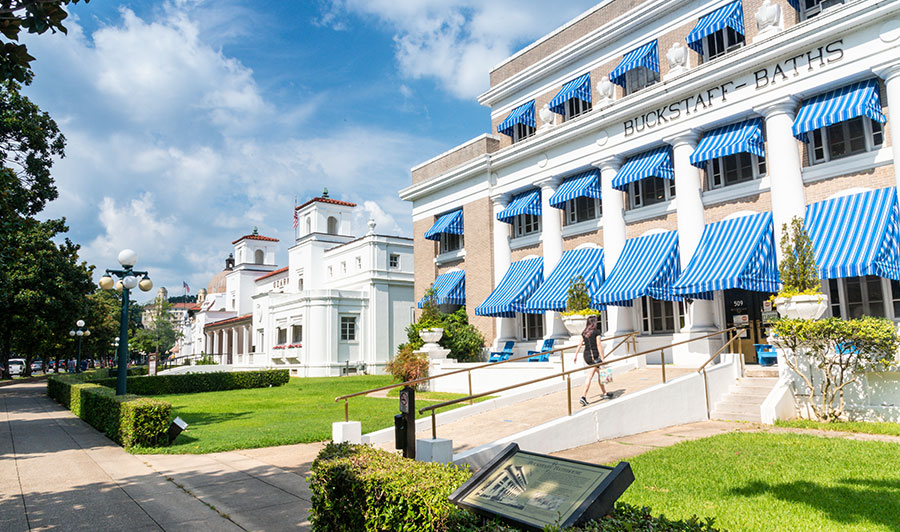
16	366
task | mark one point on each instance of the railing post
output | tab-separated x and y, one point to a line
662	362
433	426
347	410
562	358
706	389
471	401
569	392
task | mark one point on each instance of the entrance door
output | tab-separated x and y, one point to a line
745	309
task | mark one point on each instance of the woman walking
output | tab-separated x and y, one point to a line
593	354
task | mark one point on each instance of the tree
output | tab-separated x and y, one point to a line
158	336
35	16
799	274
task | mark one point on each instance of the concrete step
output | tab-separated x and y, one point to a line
761	371
727	407
758	381
736	417
751	390
747	396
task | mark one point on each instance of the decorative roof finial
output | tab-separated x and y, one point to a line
255	231
371	226
325	193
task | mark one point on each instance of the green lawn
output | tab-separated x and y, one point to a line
889	429
301	411
765	482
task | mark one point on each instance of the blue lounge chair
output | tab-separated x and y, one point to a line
541	356
765	354
497	356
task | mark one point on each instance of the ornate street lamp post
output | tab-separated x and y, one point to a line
128	279
79	333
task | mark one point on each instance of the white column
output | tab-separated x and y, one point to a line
691	220
891	76
247	333
783	165
506	327
620	319
551	238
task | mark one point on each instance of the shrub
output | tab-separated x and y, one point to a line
127	419
463	339
206	360
408	365
202	382
357	487
799	274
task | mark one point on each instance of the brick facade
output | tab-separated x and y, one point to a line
572	242
756	203
665	222
880	177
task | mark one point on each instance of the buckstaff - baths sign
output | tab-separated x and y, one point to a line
765	77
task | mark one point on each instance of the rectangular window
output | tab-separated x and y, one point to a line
658	317
300	284
343	267
282	336
394	261
348	328
861	296
532	326
296	334
262	340
358	263
526	224
734	169
812	8
521	132
834	297
450	242
850	137
576	107
582	209
639	78
651	190
721	42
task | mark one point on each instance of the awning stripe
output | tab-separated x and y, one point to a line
449	289
862	98
520	281
856	235
554	291
646	56
795	4
584	185
654	163
735	253
743	137
451	223
524	203
728	16
648	266
579	87
523	114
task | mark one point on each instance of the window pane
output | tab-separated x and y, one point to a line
895	296
857	135
853	291
837	140
877	134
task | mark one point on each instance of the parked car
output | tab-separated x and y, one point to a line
37	365
16	366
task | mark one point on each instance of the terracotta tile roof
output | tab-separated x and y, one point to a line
229	320
188	306
256	237
270	274
327	200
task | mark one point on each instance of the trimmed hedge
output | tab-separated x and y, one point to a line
202	382
128	420
357	487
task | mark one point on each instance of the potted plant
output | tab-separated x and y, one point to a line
801	294
578	306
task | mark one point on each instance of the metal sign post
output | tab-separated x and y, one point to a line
408	409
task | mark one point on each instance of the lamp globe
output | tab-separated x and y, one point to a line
146	284
106	282
127	258
130	281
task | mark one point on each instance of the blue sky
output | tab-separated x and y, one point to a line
189	122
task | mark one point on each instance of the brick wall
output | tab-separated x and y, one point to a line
521	253
636	229
573	242
424	251
757	203
456	157
478	220
880	177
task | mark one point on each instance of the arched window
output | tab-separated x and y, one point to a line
308	226
332	225
260	256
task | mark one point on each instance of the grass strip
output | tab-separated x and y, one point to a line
862	427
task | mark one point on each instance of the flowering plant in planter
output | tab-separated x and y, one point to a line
295	345
801	294
578	306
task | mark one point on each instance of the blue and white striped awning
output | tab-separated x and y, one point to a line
646	56
728	16
735	253
553	293
584	185
795	4
521	280
648	266
862	98
856	235
523	114
449	289
524	203
743	137
451	223
654	163
579	87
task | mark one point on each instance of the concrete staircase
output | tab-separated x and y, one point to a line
747	395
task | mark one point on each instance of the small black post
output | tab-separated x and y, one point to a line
408	409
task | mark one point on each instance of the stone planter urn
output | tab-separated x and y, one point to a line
804	307
431	338
575	323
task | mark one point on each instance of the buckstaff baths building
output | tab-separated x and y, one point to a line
656	148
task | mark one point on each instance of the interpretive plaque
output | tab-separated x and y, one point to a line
533	490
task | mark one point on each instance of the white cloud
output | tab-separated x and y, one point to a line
457	42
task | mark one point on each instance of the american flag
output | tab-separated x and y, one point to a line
186	287
296	219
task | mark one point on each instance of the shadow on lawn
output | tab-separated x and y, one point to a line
199	419
855	500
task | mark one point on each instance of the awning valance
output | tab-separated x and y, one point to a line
520	281
553	293
856	235
654	163
584	185
743	137
728	16
449	289
648	266
646	56
579	87
524	203
735	253
523	114
451	223
862	98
